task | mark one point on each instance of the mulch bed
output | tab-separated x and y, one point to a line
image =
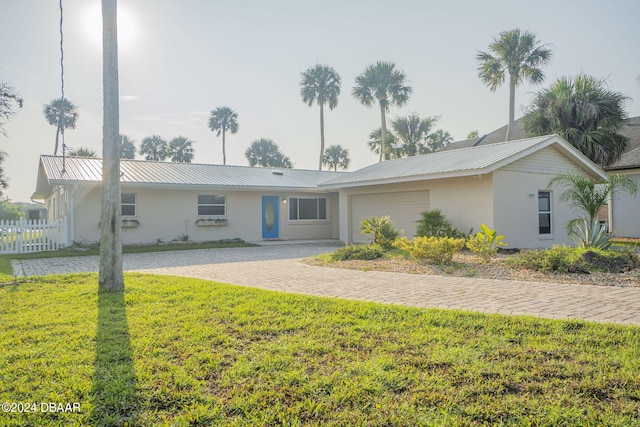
468	265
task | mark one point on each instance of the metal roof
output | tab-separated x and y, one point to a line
181	175
462	162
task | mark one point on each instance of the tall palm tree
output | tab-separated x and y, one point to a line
320	84
127	148
62	114
412	131
223	119
264	152
181	150
584	194
336	157
8	97
583	111
389	148
383	84
110	276
83	152
518	54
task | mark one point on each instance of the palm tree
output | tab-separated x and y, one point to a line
320	84
8	97
584	194
584	112
110	273
264	152
127	148
83	152
62	114
154	147
439	139
223	119
181	150
336	157
518	54
384	84
412	131
390	147
473	134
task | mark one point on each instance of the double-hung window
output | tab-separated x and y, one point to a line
544	212
212	205
301	209
128	204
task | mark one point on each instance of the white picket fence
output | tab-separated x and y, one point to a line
18	237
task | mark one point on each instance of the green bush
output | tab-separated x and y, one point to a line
435	224
362	252
589	234
436	249
9	211
565	259
485	244
382	229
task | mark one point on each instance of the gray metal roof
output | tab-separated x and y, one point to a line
180	175
462	162
629	160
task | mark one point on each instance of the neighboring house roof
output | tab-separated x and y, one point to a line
629	160
83	170
468	161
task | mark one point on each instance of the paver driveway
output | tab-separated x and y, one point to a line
279	268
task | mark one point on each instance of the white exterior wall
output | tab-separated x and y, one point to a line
167	214
625	209
515	191
466	201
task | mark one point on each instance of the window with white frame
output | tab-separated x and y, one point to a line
212	205
301	209
128	204
544	212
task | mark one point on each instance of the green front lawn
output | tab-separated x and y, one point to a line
184	352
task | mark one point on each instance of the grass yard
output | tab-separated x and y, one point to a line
183	352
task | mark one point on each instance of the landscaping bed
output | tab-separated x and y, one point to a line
465	264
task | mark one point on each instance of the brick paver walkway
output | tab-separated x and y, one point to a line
279	268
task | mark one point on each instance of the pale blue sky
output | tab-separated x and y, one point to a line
183	58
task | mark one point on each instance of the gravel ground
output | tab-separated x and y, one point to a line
468	265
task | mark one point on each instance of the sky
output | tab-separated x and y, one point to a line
180	59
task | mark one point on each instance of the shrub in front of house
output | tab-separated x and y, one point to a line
485	243
357	252
382	229
436	249
566	259
434	224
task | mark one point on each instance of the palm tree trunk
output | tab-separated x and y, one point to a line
383	119
321	136
55	149
512	104
224	153
110	276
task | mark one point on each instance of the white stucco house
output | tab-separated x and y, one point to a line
502	185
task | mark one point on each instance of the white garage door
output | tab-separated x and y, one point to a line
404	209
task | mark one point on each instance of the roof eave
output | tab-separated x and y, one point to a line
412	178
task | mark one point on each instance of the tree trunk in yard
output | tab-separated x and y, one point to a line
383	135
321	136
110	276
512	103
224	152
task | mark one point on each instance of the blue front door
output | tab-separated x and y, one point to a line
270	217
